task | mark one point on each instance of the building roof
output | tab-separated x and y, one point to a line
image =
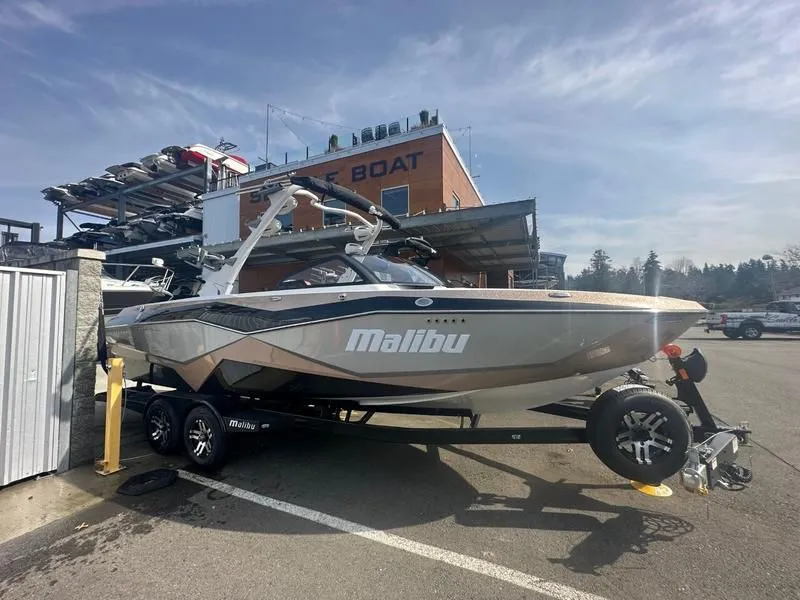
495	236
364	148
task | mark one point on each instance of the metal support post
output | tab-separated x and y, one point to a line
122	209
113	429
60	223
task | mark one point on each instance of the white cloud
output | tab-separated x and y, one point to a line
33	13
673	128
15	47
63	14
681	110
51	81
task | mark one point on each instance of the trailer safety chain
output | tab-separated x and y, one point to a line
734	478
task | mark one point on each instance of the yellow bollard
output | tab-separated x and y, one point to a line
113	430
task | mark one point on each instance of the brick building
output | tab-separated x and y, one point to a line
418	175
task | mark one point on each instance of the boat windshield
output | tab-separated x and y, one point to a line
390	269
338	271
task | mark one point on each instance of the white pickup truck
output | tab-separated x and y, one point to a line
777	317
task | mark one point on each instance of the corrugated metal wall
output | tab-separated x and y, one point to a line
31	340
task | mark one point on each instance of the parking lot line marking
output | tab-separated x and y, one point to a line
462	561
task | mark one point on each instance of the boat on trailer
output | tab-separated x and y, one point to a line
374	332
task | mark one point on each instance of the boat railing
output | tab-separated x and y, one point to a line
160	282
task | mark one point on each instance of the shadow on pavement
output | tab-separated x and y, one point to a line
390	486
383	486
631	530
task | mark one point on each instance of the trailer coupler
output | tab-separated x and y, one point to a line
712	462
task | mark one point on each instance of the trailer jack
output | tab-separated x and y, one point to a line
711	463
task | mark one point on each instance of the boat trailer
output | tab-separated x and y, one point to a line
636	432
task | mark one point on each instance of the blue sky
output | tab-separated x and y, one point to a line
637	125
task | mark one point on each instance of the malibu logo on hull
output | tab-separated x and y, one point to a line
242	425
416	341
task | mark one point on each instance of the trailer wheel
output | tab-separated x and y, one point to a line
204	438
639	434
731	333
751	331
162	427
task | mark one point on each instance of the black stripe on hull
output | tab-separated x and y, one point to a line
247	319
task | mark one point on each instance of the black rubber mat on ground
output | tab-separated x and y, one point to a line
149	481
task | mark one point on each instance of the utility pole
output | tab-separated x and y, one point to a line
469	137
266	145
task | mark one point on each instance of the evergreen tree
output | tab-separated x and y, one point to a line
631	283
652	274
600	269
744	286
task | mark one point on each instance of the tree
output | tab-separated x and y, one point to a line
632	282
792	255
638	266
652	274
600	269
682	265
752	282
729	287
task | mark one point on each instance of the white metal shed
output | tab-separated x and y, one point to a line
31	346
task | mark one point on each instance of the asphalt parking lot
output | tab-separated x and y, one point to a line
543	521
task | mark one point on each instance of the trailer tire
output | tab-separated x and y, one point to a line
731	334
204	438
162	427
639	434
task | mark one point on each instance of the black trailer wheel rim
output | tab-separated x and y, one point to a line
201	437
159	427
643	437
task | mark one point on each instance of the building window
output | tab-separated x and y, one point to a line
395	200
456	201
333	218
